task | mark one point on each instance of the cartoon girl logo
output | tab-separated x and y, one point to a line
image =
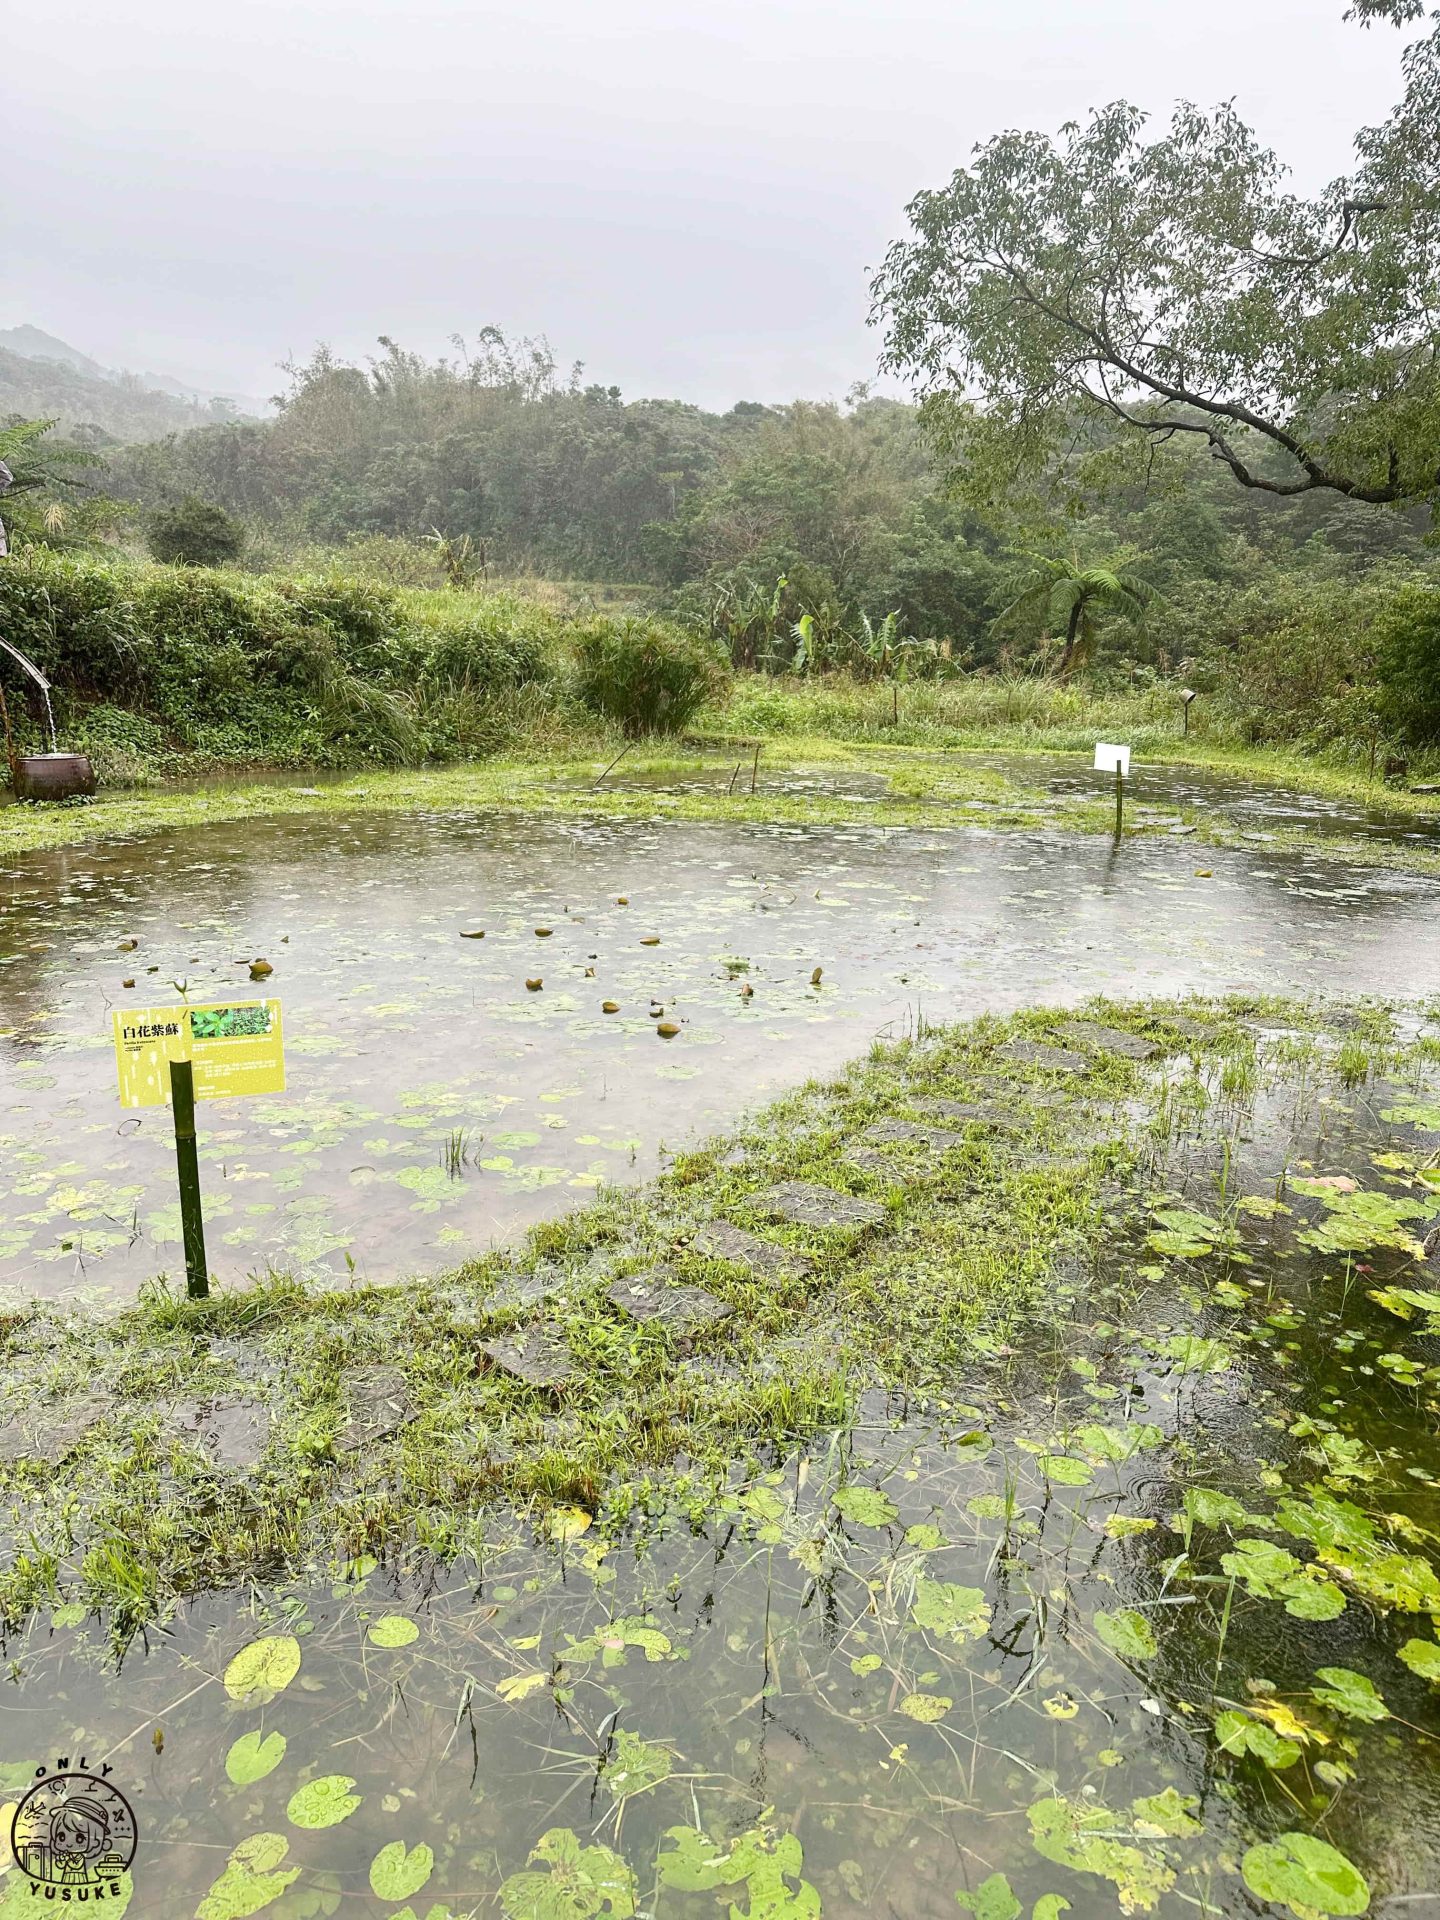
75	1832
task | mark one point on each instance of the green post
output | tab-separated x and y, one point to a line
1119	803
187	1159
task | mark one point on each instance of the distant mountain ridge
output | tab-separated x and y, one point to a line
43	376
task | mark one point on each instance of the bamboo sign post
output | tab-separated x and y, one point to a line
1110	758
177	1055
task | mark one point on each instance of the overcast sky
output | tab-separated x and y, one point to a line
686	196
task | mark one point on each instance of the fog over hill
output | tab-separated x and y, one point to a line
42	376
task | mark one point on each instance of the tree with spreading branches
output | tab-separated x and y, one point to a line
1072	308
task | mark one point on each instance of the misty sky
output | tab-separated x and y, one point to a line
685	196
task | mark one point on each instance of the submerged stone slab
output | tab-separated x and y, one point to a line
527	1289
232	1433
1036	1053
50	1433
888	1133
535	1357
718	1240
377	1404
653	1295
1189	1029
976	1113
1131	1046
811	1205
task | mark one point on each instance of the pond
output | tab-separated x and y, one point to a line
437	1105
1161	792
1105	1624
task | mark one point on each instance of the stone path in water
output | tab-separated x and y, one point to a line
233	1433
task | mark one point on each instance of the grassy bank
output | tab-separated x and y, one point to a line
798	781
111	1499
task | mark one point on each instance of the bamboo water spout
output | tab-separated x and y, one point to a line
44	685
46	776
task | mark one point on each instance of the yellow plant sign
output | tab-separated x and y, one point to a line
235	1047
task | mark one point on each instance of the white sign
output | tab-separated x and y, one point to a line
1112	759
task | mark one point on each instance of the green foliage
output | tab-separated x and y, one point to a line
647	676
1407	653
311	670
1072	600
47	477
194	533
1123	292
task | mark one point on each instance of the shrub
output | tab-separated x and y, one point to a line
1407	651
195	534
650	677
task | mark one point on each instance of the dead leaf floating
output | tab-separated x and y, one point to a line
127	946
534	986
472	933
127	983
260	969
622	899
667	1029
610	1006
816	976
651	940
543	933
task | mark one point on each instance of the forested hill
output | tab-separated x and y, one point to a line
547	474
85	400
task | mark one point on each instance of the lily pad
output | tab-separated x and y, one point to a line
1307	1875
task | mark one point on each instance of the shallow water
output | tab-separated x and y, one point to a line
800	1664
401	1035
1251	804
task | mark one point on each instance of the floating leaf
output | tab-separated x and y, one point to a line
249	1882
264	1668
1351	1694
635	1766
762	1859
1065	1471
871	1663
926	1707
958	1612
395	1873
1079	1837
1307	1875
925	1536
1422	1657
1158	1815
1124	1526
993	1899
323	1803
577	1882
1238	1734
1127	1633
519	1686
867	1506
253	1756
393	1630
